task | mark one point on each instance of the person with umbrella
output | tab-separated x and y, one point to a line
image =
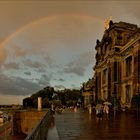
99	111
106	109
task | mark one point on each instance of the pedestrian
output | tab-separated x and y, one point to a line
99	112
75	108
106	111
52	108
90	109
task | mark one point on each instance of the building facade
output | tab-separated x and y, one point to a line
88	92
117	68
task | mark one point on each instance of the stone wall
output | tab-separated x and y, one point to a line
25	121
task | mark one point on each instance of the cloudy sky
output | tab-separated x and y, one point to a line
52	42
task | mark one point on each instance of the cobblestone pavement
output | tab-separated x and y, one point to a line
82	126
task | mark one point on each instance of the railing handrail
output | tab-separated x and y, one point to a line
46	118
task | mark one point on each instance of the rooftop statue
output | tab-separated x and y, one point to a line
107	23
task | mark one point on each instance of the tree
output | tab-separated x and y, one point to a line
45	102
49	94
27	102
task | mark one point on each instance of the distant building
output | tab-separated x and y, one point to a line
88	92
11	106
117	68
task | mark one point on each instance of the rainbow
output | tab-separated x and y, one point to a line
38	21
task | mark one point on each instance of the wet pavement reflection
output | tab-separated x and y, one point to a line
82	126
52	132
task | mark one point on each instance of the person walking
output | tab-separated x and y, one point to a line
89	109
106	111
99	112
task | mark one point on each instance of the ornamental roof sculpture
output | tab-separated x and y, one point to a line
107	23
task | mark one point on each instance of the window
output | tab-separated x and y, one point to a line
129	66
128	94
116	73
104	77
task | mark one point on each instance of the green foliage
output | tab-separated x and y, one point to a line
46	92
45	103
69	103
56	102
68	95
35	102
28	102
62	97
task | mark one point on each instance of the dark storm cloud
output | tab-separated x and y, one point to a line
12	65
17	86
44	80
32	64
28	31
27	73
78	70
79	65
61	80
41	70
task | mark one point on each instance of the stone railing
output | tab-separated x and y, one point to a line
5	130
41	130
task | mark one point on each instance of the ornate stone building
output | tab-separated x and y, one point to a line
88	92
117	68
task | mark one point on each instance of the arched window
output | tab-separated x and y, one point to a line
129	66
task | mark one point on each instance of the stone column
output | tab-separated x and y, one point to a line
39	103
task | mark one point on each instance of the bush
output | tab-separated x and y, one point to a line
56	102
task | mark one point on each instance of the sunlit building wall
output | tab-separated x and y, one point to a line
117	68
88	93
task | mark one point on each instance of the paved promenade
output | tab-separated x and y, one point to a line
82	126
